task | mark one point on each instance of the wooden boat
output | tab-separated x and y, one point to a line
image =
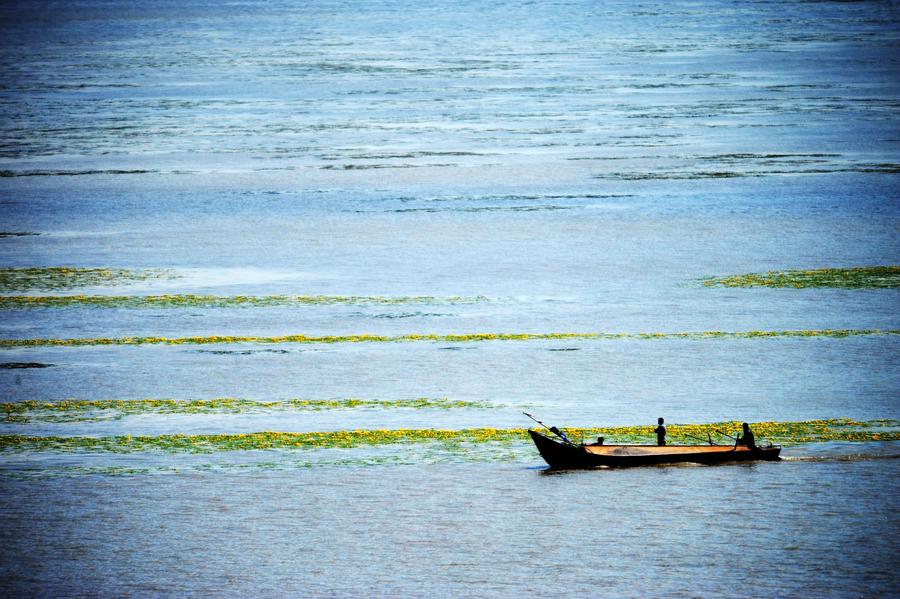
569	455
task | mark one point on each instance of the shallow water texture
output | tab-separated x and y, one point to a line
527	168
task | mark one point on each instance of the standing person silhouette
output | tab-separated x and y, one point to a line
660	432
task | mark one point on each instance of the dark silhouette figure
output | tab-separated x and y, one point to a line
747	438
660	433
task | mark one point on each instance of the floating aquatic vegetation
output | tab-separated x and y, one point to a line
759	170
240	352
62	277
870	277
811	431
250	441
72	173
216	301
284	462
742	156
538	208
74	410
454	338
399	315
351	166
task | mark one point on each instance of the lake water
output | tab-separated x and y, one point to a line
536	167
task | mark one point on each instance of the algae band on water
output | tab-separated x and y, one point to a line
75	410
64	277
810	431
869	277
451	338
20	302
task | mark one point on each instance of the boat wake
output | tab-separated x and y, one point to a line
842	452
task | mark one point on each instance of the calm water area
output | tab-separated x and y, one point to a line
520	167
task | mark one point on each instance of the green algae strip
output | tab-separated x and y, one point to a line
18	302
57	278
810	431
74	410
870	277
450	338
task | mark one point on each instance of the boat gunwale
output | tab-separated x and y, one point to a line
663	449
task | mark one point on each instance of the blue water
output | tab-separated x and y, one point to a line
577	166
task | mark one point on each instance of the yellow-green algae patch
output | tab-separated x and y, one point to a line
450	338
8	302
870	277
75	410
56	278
810	431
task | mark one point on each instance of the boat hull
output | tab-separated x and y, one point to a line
562	456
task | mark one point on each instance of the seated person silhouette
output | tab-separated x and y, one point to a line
746	438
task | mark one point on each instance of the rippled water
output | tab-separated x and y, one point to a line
574	166
811	529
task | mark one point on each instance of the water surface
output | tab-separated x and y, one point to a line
578	166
